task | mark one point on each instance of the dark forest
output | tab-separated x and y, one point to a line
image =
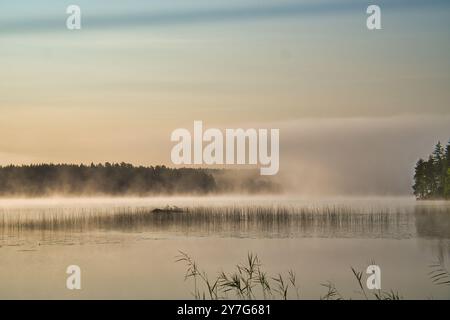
125	179
432	176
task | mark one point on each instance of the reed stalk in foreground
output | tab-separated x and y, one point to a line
439	274
249	281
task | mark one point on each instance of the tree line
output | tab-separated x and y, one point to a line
124	179
102	179
432	176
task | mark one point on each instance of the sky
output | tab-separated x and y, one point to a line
355	107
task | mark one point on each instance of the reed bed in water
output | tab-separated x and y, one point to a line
277	219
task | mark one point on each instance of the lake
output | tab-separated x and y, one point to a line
128	251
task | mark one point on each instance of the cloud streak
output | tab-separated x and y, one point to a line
225	14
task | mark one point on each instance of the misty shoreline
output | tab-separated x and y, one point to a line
216	199
123	179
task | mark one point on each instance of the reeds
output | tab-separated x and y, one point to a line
439	274
377	294
250	220
249	281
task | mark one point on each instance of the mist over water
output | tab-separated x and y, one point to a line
353	156
214	216
128	240
231	216
357	156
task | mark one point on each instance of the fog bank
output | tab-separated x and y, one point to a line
357	156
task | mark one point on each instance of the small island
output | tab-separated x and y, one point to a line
432	176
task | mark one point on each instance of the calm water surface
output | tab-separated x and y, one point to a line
127	251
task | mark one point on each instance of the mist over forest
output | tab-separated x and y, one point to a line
125	180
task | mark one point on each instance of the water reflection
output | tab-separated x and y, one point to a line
132	242
432	221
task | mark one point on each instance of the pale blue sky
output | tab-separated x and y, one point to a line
203	51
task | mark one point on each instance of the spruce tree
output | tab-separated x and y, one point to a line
432	176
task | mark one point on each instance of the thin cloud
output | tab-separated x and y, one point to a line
226	14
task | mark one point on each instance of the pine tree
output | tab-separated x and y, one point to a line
439	170
447	172
432	177
419	180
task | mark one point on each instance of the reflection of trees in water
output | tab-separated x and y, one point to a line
234	221
432	221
